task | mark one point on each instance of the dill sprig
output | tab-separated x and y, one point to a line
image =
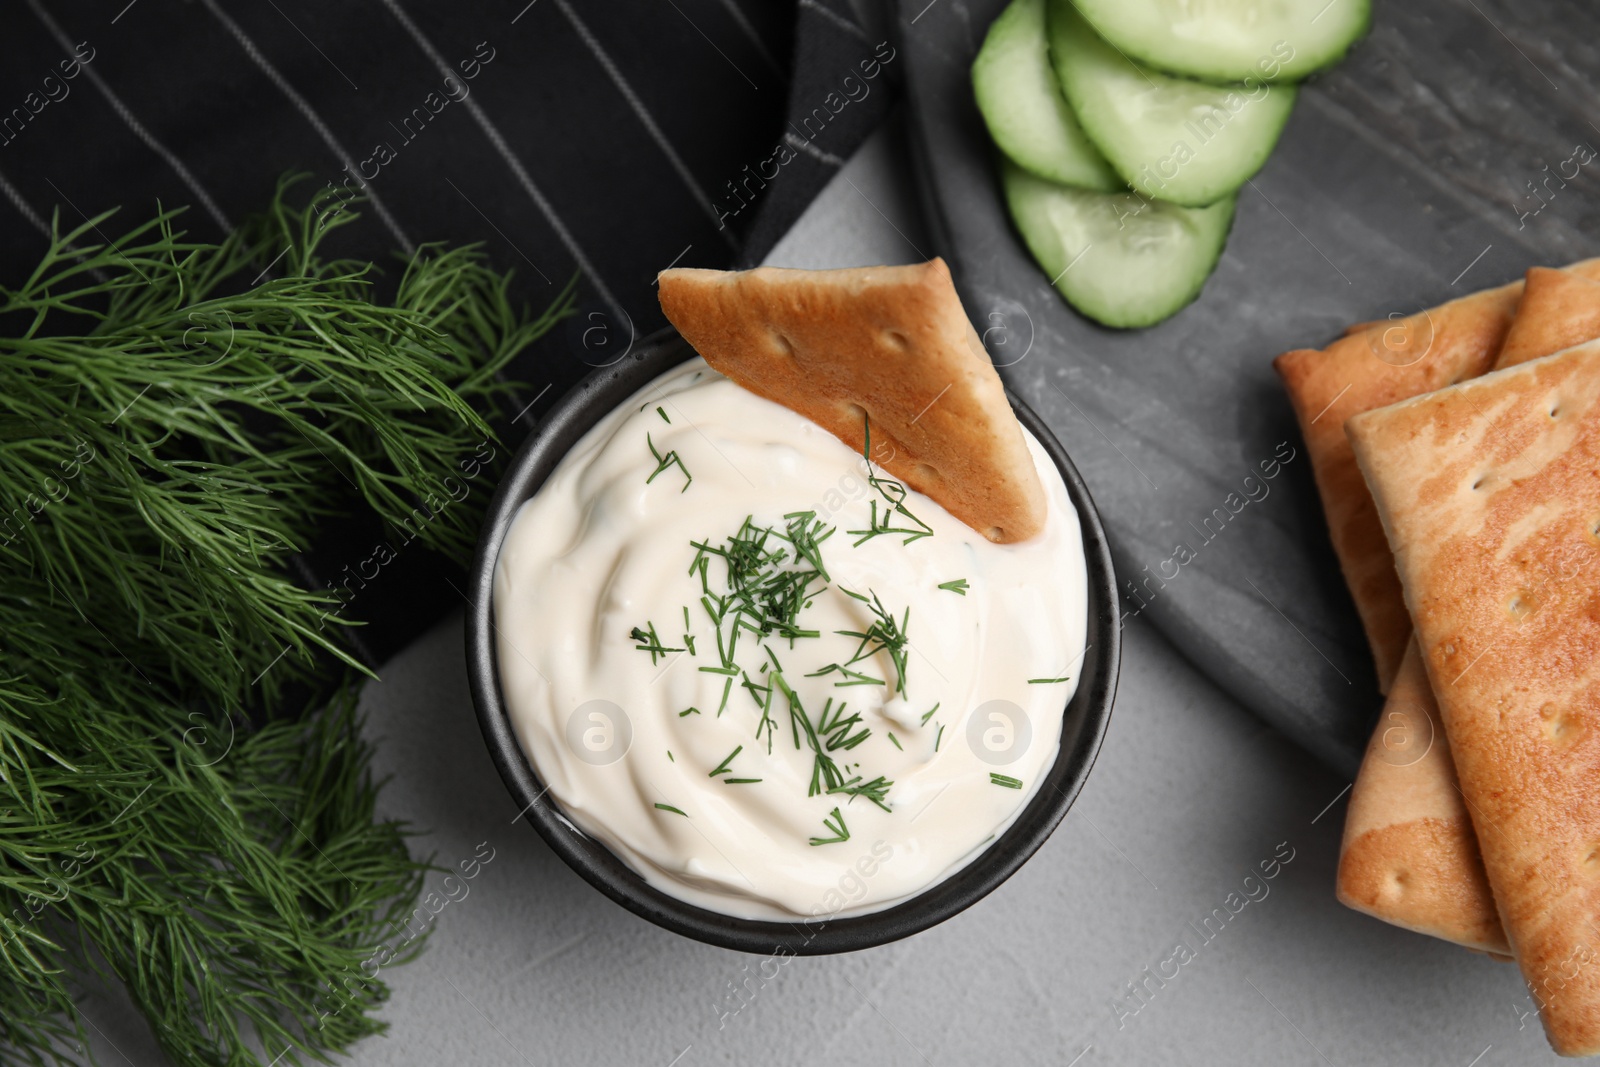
647	640
722	768
893	502
886	634
876	790
191	425
806	533
850	677
958	586
665	460
237	900
1005	780
224	417
835	824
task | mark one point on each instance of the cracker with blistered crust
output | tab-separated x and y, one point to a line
1489	492
885	346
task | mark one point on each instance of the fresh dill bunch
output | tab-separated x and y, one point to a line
176	420
237	885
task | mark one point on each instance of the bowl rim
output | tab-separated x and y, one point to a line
1087	711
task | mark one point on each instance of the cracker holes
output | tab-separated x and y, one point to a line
1591	862
995	533
927	472
896	340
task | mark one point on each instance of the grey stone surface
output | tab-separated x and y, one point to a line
1403	179
1189	796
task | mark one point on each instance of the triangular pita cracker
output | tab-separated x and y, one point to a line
1490	494
889	344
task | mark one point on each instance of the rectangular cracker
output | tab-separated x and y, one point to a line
1428	876
889	344
1489	492
1409	855
1559	309
1383	363
1377	366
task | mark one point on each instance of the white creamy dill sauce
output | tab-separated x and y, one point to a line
933	726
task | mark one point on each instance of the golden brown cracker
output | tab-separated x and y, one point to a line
887	344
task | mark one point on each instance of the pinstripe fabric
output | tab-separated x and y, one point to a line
609	139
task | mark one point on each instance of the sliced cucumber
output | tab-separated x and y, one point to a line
1119	258
1023	107
1232	40
1171	138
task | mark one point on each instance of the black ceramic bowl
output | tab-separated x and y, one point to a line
1083	726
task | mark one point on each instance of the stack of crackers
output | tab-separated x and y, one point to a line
1457	454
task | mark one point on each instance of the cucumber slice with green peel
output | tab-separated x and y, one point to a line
1232	40
1120	258
1170	138
1023	107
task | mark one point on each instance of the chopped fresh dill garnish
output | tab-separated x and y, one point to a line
806	533
929	714
670	756
766	722
957	586
727	687
691	711
649	641
938	737
756	688
836	731
663	415
740	781
765	591
895	741
675	811
875	790
894	496
730	671
665	461
688	638
835	824
851	677
722	768
1049	681
884	635
1005	780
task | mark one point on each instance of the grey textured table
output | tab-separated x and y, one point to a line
1189	797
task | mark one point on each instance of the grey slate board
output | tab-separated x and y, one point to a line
1405	178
